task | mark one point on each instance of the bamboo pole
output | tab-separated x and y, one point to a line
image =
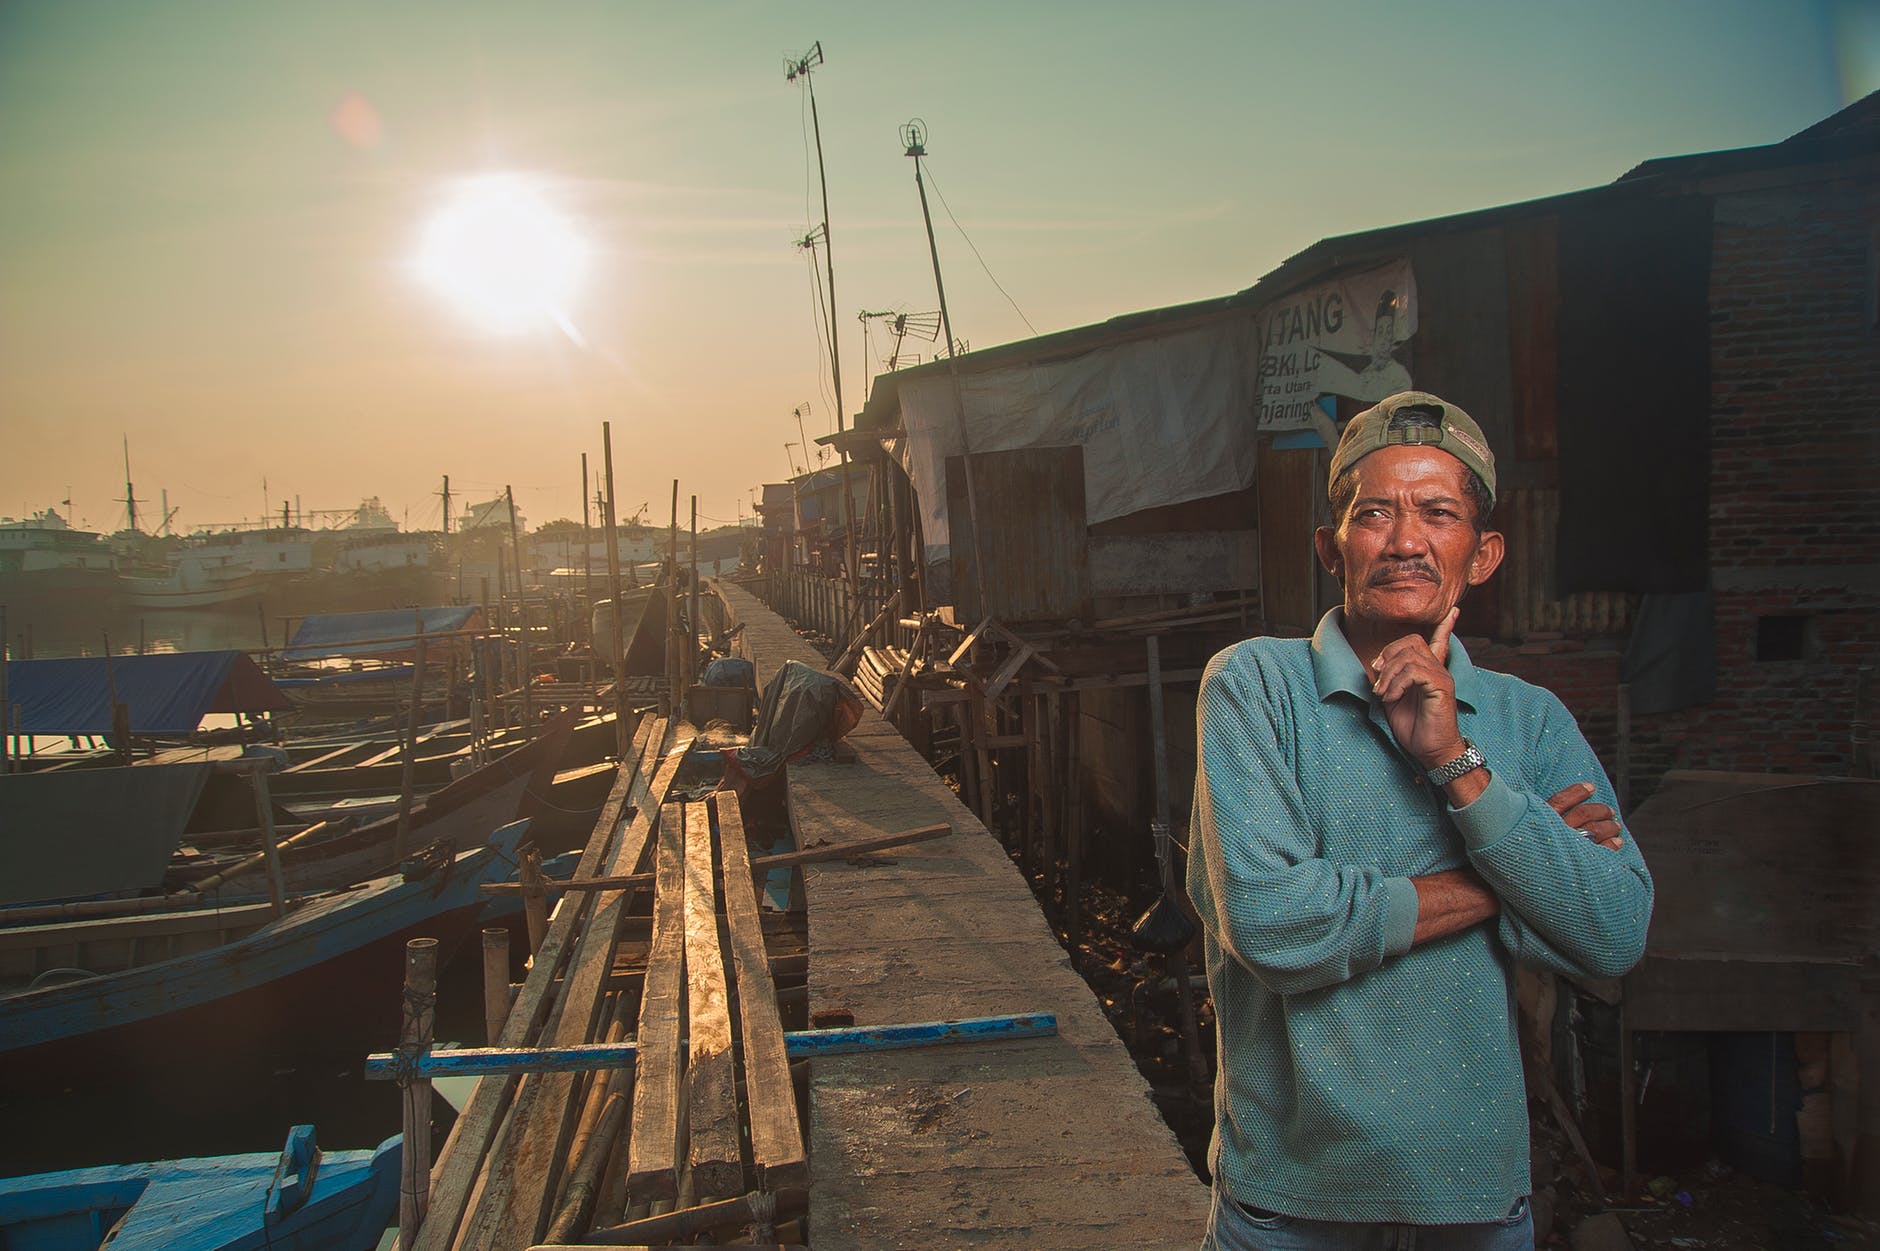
420	1018
495	982
534	897
408	779
207	884
264	813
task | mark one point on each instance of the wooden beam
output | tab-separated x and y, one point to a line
653	1142
711	1074
459	1167
776	1134
518	1191
761	864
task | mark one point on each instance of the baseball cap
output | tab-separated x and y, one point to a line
1418	418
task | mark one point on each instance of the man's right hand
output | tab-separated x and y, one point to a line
1597	821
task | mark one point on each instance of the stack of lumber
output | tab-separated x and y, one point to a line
878	672
708	1116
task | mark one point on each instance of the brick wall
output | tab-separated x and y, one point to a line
1795	499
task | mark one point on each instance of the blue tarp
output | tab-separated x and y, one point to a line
167	693
383	634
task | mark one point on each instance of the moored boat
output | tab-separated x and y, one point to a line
111	998
298	1199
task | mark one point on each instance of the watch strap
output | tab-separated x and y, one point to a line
1470	760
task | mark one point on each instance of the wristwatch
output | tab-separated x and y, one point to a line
1470	760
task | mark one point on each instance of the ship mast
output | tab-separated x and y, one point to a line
130	496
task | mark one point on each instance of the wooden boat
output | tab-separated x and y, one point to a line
112	998
461	816
299	1199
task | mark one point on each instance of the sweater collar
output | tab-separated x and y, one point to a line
1335	667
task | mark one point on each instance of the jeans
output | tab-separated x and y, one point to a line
1233	1228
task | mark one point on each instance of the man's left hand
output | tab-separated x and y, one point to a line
1419	697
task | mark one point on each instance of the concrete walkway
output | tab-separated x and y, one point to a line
1040	1143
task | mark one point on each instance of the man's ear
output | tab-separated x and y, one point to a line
1487	558
1325	542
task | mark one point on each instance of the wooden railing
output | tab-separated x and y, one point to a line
829	606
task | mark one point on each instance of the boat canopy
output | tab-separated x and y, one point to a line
79	833
167	692
381	635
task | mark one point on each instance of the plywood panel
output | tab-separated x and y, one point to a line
1291	488
1036	540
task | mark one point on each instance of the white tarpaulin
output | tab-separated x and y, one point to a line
1342	338
1161	420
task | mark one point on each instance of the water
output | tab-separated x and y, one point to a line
128	632
219	1112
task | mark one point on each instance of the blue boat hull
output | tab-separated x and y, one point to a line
324	981
298	1199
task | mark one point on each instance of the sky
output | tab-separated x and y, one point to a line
211	214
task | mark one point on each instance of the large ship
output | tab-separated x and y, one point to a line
48	569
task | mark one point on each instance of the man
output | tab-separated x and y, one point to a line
1381	832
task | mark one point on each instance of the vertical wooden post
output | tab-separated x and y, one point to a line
622	736
495	982
691	626
261	611
1866	1040
672	605
534	896
1165	860
1073	828
6	704
420	1018
408	780
523	667
264	817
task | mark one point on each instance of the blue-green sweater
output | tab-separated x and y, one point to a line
1361	1079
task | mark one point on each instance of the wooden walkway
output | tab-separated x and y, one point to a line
1039	1143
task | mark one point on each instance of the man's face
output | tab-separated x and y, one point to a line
1406	548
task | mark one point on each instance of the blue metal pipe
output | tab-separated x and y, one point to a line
497	1061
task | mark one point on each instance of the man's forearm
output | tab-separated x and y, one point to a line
1450	901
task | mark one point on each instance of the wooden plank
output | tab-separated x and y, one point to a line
653	1144
515	1206
711	1074
459	1167
776	1134
1001	679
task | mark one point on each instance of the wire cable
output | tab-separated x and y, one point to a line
975	247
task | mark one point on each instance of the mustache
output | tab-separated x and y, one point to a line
1418	567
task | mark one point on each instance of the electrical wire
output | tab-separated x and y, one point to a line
982	260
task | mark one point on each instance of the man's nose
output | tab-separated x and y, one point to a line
1407	537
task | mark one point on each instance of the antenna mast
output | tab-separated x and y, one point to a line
793	70
446	495
914	136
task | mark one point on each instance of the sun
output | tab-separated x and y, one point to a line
499	252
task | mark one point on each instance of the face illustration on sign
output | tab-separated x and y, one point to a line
1318	342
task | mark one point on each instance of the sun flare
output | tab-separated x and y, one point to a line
499	251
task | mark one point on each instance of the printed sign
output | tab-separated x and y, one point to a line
1342	338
